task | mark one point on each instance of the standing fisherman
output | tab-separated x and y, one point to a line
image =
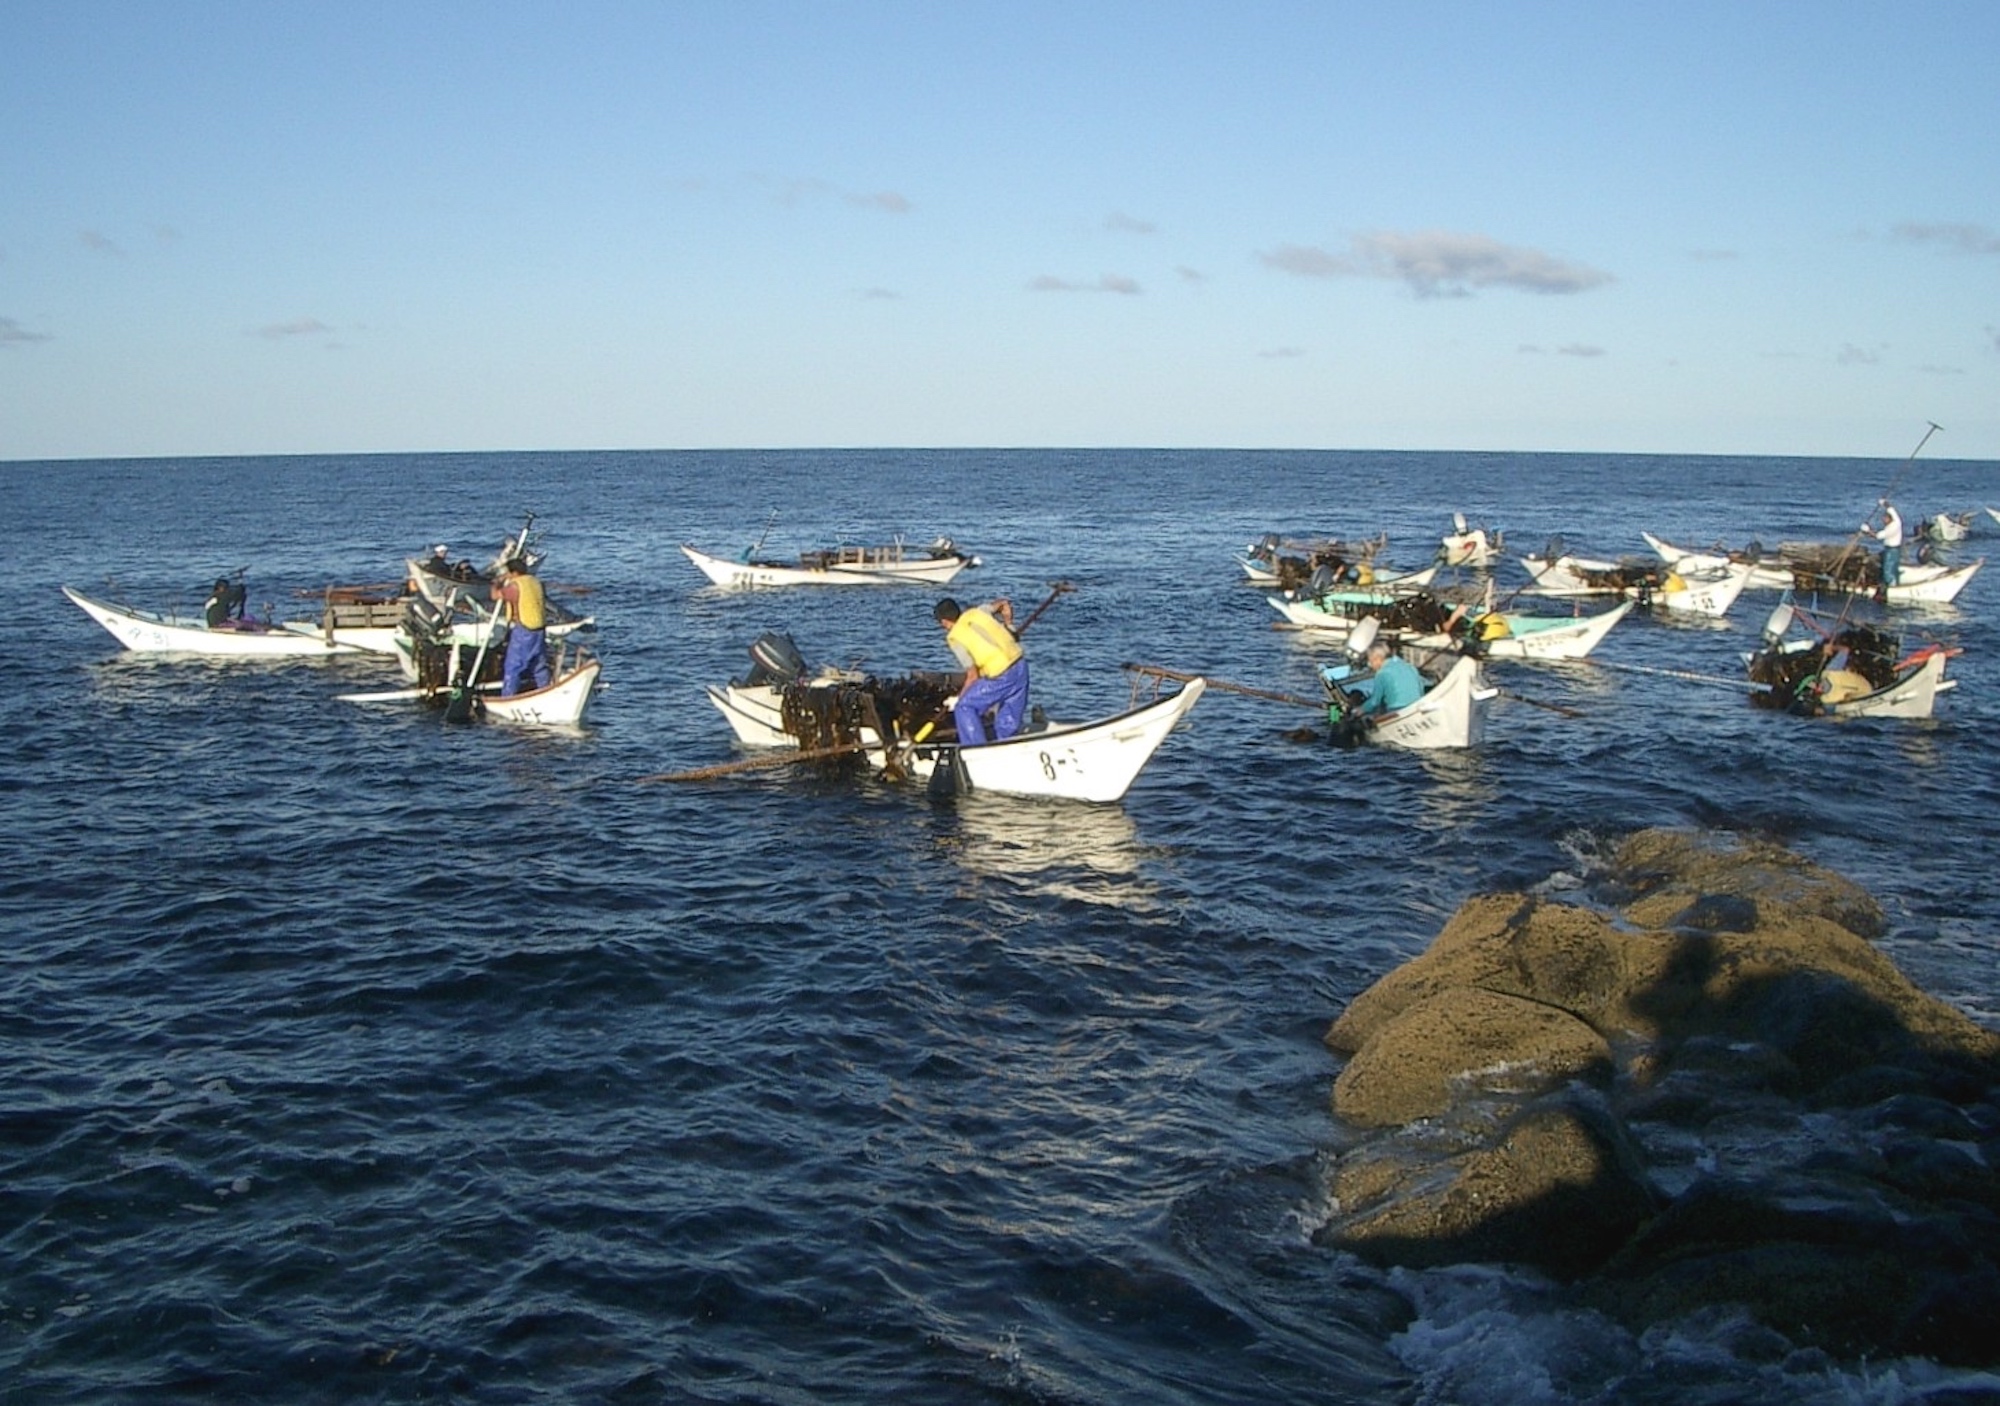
527	615
1890	535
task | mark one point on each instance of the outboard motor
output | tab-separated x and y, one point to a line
1363	635
775	661
1321	581
1776	623
1458	523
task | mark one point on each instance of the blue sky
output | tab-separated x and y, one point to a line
1692	227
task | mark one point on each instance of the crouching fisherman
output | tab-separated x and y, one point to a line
996	671
223	610
1391	684
527	617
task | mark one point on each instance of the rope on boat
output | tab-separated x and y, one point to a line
1687	674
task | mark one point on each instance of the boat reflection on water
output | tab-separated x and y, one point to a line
1088	853
1459	795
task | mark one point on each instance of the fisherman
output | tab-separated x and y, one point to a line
996	671
527	616
1890	535
1393	682
224	604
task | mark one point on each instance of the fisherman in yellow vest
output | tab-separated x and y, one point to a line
996	672
527	614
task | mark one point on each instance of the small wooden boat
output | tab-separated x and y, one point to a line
890	565
1929	583
1094	761
1290	562
1492	634
1452	712
1831	566
561	704
1946	527
150	633
1857	671
1693	592
1768	572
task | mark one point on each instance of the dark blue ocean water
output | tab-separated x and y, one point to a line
349	1056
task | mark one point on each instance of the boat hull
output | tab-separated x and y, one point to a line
1528	637
561	704
1451	714
147	633
1707	593
876	567
1094	762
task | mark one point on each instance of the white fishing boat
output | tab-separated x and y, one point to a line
1093	761
1277	561
1494	634
1707	592
1946	527
147	632
889	565
1767	571
561	704
1854	671
1452	712
1929	583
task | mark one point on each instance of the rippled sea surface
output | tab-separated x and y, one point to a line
346	1055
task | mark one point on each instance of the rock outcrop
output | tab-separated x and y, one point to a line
1711	1088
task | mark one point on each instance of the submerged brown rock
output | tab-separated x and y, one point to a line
1711	1087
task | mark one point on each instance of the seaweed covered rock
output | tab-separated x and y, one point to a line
1707	1086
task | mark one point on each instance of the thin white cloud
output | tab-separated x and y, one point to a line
1957	238
1440	264
800	192
1189	275
1309	262
1129	224
297	327
1584	349
880	295
1106	283
886	201
1282	353
1852	355
98	244
13	334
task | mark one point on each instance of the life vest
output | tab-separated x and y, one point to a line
1493	626
527	608
990	644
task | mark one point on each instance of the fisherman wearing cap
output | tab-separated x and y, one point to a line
1890	535
996	671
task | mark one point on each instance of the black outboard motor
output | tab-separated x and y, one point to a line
775	661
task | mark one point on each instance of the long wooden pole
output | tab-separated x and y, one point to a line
1175	675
